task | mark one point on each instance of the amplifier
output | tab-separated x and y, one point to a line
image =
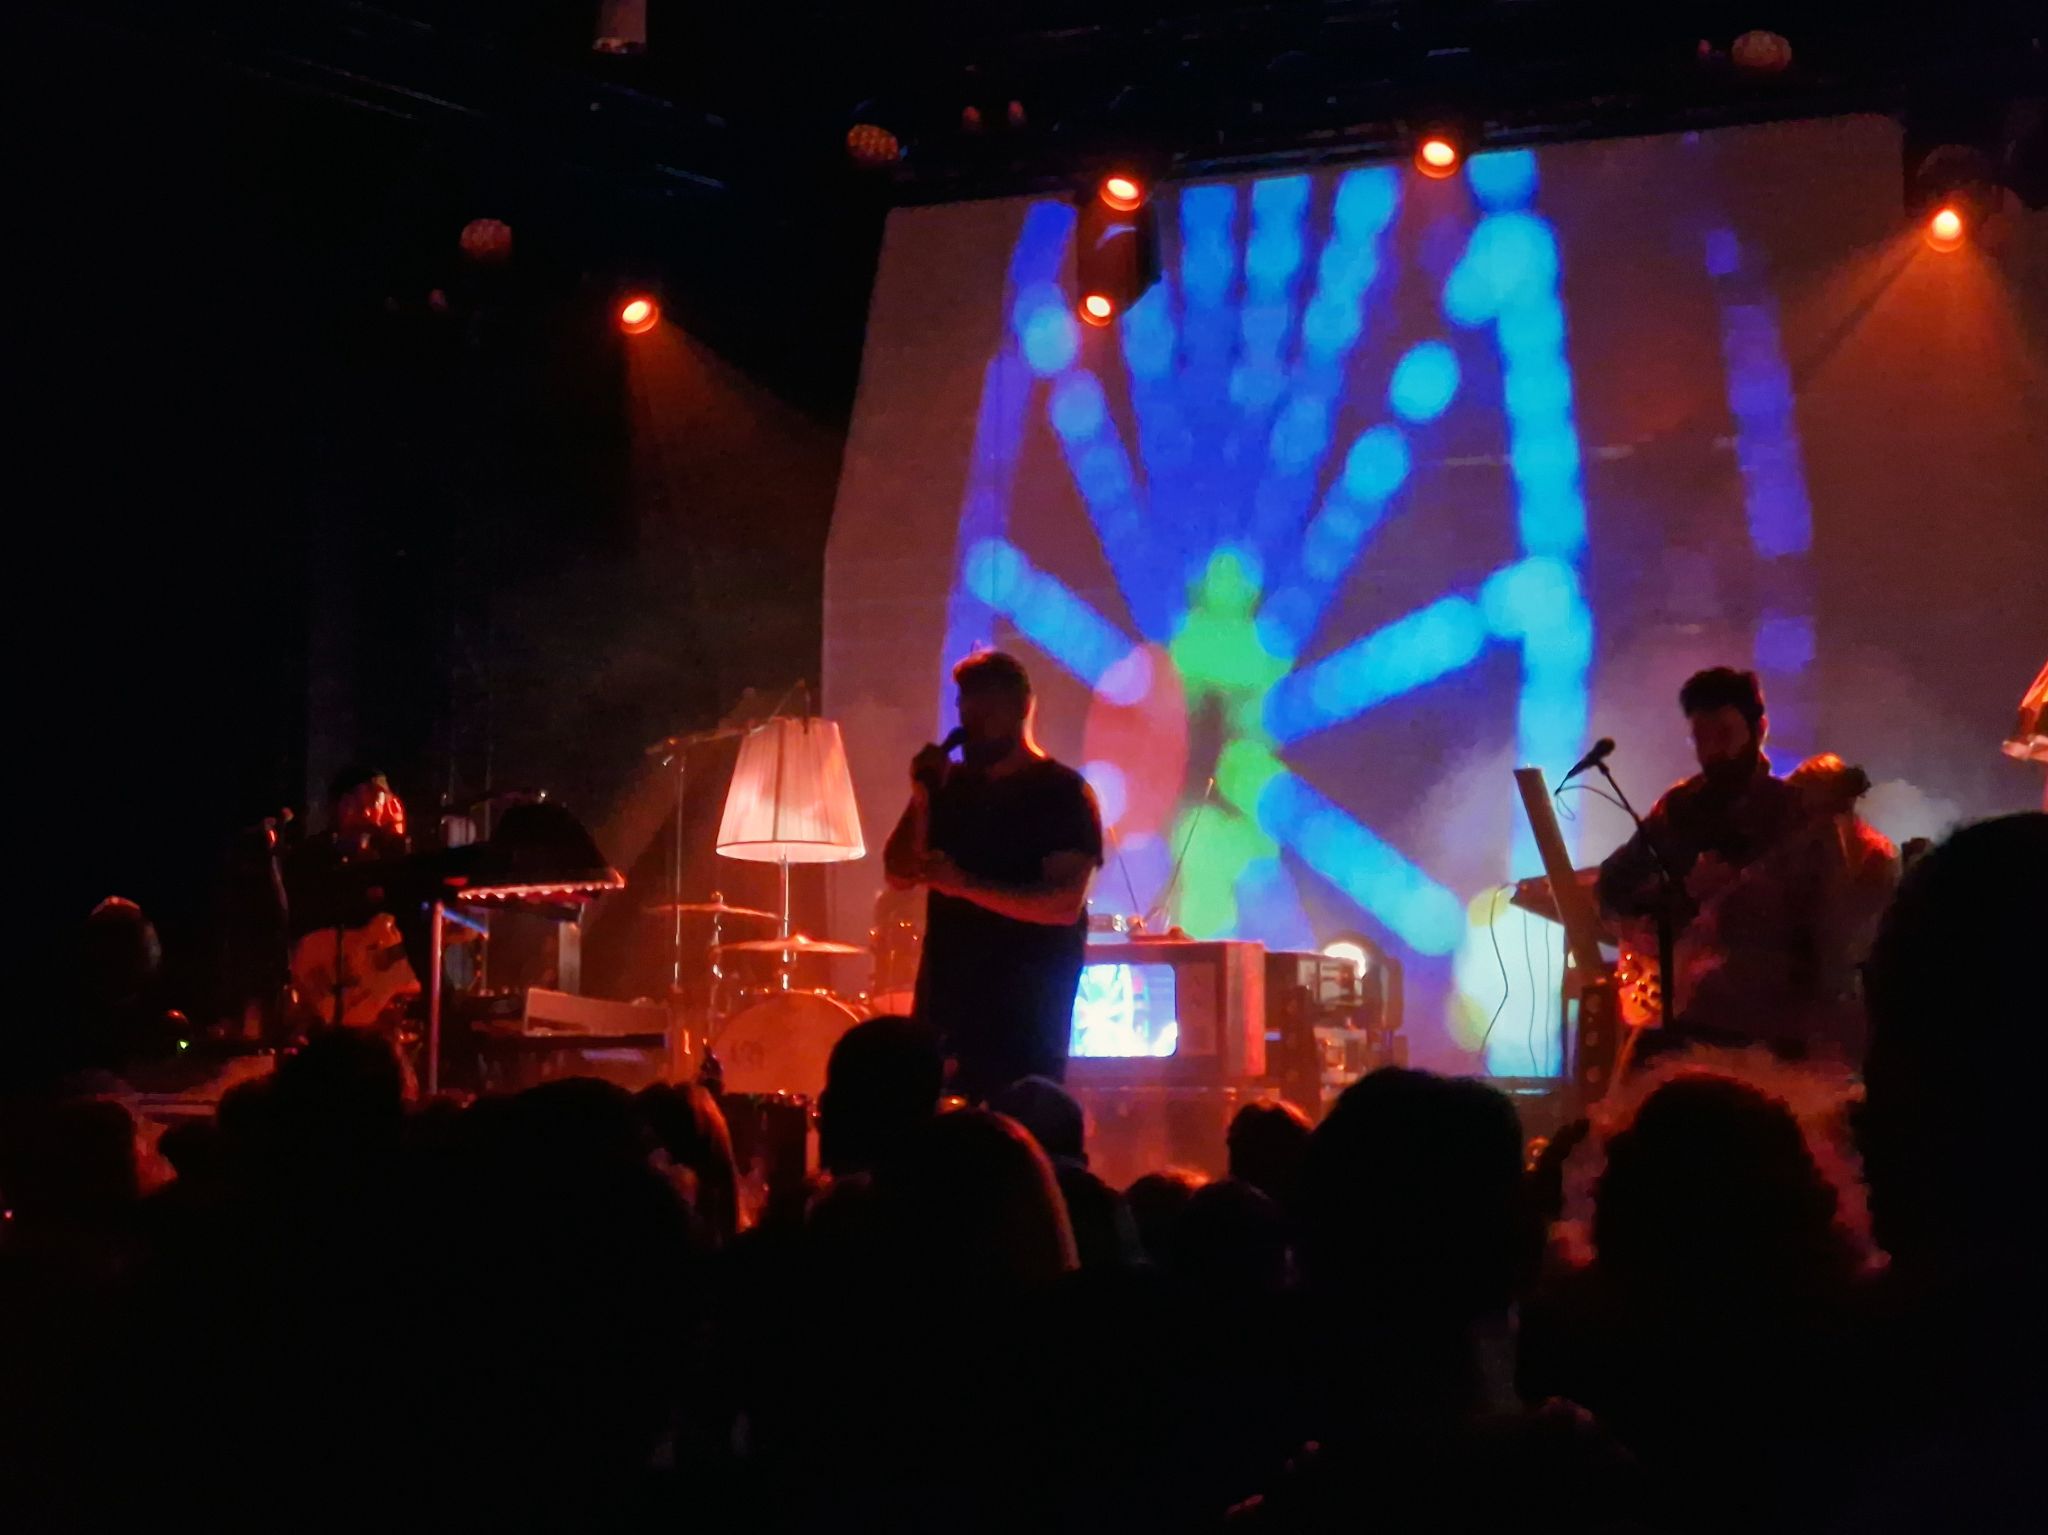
1327	1024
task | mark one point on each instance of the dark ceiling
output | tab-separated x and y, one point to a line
750	101
716	155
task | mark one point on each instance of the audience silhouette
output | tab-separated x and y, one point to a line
1711	1332
1267	1144
1104	1234
1950	1151
882	1082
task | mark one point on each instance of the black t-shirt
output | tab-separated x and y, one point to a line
999	987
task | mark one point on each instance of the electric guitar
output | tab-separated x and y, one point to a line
1639	982
366	965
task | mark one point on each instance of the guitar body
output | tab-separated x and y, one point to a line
1769	895
366	964
1639	985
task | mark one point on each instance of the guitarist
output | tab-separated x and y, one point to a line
347	889
1748	974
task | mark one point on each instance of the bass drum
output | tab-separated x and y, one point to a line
780	1043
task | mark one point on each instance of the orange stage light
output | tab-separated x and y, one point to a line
1437	157
1946	230
1126	194
1098	309
639	315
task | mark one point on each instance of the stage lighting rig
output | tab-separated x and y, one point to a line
1441	143
1437	156
638	313
873	142
1951	156
1954	190
1122	192
1116	246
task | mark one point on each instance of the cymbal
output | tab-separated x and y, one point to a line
708	909
795	943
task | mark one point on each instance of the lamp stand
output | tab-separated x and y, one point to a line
782	973
438	949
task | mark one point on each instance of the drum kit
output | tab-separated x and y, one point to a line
761	1033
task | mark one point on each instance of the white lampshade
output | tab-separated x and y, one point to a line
791	799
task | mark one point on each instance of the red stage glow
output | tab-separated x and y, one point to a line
1098	309
1126	194
639	315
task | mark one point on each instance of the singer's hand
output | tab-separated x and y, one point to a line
928	767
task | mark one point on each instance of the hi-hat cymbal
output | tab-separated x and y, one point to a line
795	943
708	909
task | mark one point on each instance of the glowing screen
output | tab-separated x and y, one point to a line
1392	484
1125	1010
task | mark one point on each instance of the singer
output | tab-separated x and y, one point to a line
1006	841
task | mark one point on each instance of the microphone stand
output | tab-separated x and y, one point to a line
1667	939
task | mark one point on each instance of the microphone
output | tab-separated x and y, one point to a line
1602	750
672	746
929	766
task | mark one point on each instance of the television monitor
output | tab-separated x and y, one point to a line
1169	1011
1124	1012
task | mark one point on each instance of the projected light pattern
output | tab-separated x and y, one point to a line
1044	611
1407	654
1775	501
1508	279
1048	339
1263	456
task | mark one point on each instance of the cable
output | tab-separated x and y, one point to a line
1593	788
1493	932
1130	888
1162	904
1561	805
1529	968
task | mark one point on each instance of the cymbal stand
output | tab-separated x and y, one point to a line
674	752
681	762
